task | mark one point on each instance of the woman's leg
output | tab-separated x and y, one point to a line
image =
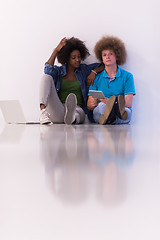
79	115
55	108
49	98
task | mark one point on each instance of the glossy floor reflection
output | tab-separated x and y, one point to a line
79	182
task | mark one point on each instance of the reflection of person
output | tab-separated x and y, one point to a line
116	84
110	153
79	162
66	161
63	90
109	144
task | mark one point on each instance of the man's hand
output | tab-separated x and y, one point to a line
104	100
92	103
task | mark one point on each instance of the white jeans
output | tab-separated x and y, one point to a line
56	109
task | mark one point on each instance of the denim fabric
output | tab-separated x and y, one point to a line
57	72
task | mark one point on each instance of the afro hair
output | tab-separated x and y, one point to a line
112	43
72	44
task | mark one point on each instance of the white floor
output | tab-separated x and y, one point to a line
86	182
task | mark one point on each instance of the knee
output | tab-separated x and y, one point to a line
47	78
46	82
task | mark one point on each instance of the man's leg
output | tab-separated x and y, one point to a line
98	111
120	121
105	113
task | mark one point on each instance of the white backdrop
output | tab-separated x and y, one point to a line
30	30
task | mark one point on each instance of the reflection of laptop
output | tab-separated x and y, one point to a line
12	133
13	113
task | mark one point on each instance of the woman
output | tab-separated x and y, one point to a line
63	90
116	84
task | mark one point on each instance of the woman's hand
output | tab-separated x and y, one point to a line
61	44
52	58
92	103
90	79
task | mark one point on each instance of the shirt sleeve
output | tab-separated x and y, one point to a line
129	87
51	70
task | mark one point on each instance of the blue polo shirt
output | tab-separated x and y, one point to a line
122	84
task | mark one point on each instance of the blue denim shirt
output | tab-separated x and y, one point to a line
57	72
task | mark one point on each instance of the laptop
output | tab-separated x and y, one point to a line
13	113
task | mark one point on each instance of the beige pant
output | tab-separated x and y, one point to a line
49	97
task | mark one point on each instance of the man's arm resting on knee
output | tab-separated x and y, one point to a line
128	100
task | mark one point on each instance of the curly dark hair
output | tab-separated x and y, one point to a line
72	44
112	43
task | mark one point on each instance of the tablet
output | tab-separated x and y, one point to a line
96	94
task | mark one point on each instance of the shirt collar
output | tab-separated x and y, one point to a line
118	73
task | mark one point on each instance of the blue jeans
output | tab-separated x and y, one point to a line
99	110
